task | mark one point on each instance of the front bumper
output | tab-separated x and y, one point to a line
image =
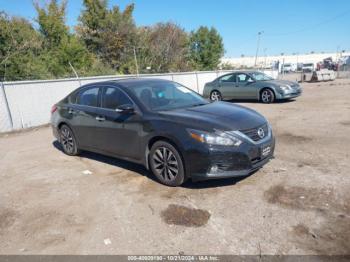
213	162
293	94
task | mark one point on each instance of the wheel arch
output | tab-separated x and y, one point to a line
60	124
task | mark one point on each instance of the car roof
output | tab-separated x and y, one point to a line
240	71
129	82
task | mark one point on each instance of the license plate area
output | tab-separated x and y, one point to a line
265	150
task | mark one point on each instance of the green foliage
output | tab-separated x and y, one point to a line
163	48
206	48
20	47
92	22
51	20
106	41
60	48
110	34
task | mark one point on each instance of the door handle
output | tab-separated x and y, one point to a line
100	118
71	111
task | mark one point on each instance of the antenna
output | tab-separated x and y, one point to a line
75	72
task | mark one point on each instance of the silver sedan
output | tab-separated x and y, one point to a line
250	85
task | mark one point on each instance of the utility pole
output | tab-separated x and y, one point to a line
257	47
137	66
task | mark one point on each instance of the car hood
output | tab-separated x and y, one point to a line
217	115
280	82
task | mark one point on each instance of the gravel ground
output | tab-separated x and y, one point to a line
299	203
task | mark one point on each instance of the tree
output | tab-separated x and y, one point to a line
60	47
51	20
92	21
20	47
110	34
119	39
206	48
164	48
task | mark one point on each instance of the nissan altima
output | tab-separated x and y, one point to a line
168	128
251	85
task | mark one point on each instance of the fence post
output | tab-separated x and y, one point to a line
197	82
7	108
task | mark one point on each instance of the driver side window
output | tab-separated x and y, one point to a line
243	78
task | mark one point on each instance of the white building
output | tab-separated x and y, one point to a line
267	61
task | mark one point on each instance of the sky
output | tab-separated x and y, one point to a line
288	26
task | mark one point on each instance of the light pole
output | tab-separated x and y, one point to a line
257	47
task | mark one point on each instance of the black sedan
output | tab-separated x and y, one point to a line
165	126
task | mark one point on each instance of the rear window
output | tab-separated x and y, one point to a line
114	98
228	78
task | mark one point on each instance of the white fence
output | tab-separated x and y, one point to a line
26	104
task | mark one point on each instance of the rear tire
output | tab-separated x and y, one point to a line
166	164
215	95
68	141
267	96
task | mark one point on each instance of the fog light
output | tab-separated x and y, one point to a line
214	169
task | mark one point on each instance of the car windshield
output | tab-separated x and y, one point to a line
258	76
159	96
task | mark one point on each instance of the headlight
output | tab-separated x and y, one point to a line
286	88
217	138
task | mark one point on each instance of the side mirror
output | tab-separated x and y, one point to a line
250	81
125	109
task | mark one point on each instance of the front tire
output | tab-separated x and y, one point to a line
68	141
166	164
215	95
267	96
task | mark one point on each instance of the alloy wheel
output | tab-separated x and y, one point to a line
266	96
165	163
67	140
215	96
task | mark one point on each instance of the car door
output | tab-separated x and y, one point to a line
82	113
245	88
227	85
118	132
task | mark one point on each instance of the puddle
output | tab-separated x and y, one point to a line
185	216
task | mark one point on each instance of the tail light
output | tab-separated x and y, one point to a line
53	109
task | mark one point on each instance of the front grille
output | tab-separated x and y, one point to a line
253	132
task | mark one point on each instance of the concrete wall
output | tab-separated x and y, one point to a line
26	104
